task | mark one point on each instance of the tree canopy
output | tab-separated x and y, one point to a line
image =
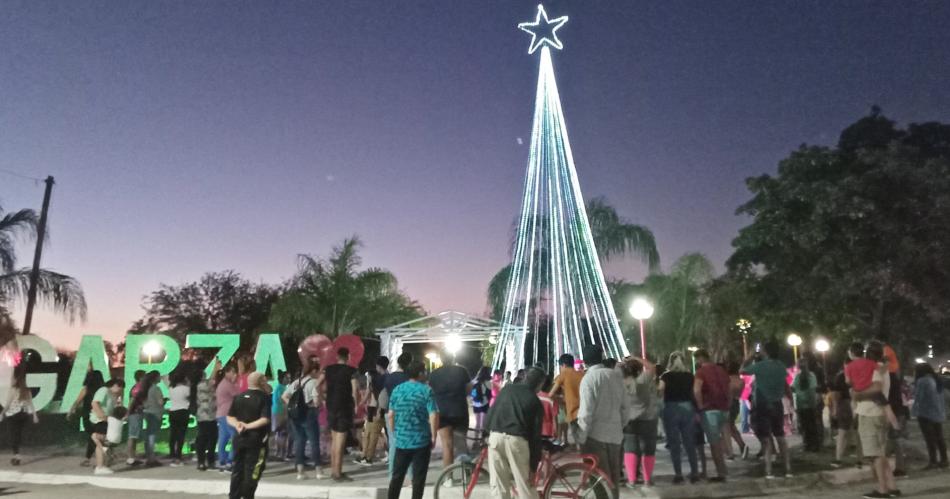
853	240
334	296
219	302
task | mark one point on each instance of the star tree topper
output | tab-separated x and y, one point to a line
543	30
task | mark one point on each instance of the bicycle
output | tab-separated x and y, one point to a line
560	475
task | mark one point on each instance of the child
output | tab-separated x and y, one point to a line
859	373
114	426
549	419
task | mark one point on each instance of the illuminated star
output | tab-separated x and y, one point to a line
543	31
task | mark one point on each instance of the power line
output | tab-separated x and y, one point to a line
15	174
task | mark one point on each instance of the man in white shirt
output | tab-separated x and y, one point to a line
602	413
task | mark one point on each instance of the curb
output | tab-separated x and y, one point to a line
206	487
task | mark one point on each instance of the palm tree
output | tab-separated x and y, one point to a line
333	296
61	293
612	236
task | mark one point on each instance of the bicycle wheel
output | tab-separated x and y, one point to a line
578	481
455	482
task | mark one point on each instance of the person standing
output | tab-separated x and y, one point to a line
374	415
18	411
895	400
736	386
842	416
249	415
805	391
302	398
481	397
568	383
153	408
279	415
393	380
104	401
768	418
342	390
450	384
602	414
640	430
83	405
136	417
712	394
224	394
179	395
873	426
930	409
679	416
206	414
414	419
514	439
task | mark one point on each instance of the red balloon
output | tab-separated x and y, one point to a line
320	347
314	346
352	343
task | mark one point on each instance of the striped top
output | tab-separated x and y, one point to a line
411	403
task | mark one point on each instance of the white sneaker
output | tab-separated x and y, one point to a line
130	461
449	483
102	470
319	474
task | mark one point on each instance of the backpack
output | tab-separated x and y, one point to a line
297	407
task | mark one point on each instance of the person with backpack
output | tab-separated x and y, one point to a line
302	399
481	397
374	416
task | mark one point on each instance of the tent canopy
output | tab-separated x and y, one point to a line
437	328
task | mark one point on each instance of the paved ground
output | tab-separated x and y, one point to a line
56	473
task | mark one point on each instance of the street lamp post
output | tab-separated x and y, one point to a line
151	349
744	325
641	310
692	355
795	340
822	346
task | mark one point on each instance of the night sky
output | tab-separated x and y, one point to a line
195	136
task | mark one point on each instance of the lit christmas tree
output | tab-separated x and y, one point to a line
557	300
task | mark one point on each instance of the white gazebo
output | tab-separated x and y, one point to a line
439	328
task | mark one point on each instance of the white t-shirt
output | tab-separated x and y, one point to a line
114	430
309	386
870	408
179	397
106	402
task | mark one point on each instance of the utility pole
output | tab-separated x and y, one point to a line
35	272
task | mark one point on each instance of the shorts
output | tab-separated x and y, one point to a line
872	430
480	409
844	417
135	425
340	421
101	428
768	419
712	422
455	422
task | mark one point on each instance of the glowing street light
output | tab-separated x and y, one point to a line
152	349
744	325
692	354
641	310
453	344
822	346
795	341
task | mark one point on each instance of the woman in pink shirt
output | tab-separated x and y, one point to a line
224	395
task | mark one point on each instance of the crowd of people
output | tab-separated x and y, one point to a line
616	410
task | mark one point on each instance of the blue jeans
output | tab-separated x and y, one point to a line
152	423
679	422
744	416
225	433
306	429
